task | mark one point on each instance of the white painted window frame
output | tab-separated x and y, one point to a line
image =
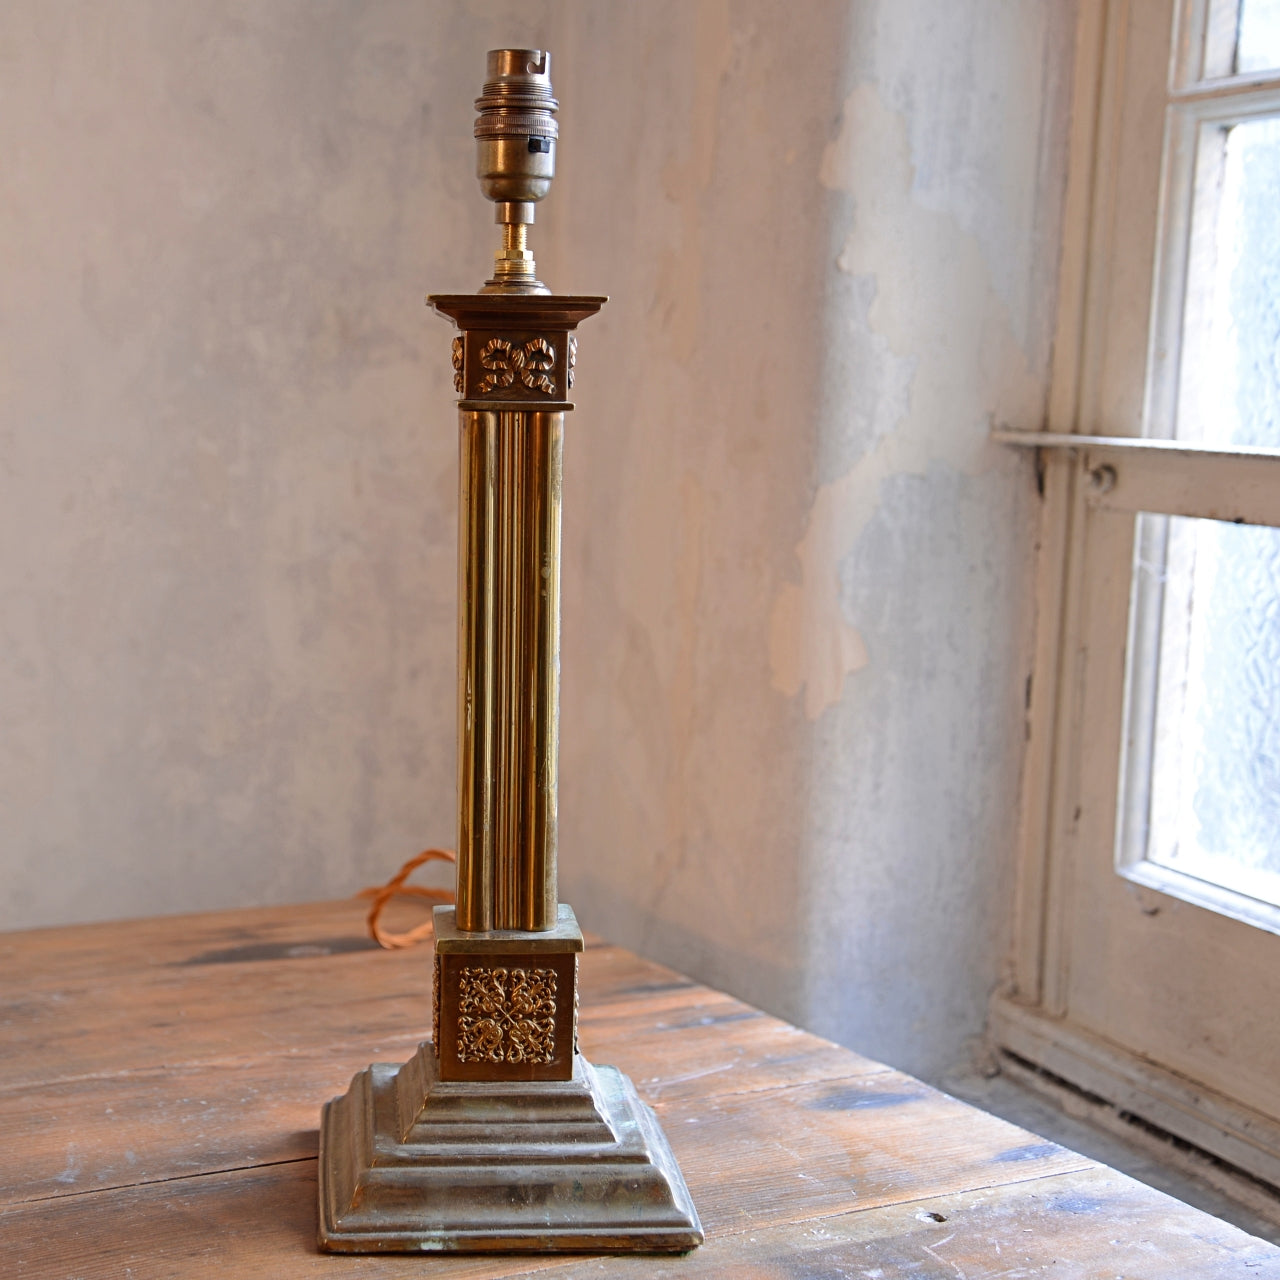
1103	451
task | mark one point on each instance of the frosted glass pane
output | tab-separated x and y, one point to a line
1229	389
1215	763
1258	38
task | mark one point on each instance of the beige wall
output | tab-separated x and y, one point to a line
796	631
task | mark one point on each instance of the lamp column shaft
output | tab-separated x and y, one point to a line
506	990
508	667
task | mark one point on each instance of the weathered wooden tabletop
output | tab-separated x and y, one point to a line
161	1084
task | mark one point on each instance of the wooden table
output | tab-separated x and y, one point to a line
161	1083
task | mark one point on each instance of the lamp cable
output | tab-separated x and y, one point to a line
396	887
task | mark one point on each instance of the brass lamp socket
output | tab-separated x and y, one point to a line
516	130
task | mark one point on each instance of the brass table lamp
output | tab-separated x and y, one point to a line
498	1134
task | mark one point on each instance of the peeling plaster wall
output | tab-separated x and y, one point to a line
797	605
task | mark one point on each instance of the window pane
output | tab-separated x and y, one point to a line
1258	41
1229	387
1214	746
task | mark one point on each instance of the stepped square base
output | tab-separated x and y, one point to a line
411	1163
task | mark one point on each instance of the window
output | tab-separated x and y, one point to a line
1147	967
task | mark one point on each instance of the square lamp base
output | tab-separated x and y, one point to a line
410	1163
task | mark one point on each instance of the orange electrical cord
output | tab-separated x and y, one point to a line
396	887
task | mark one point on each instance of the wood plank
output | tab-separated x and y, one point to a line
762	1156
1091	1223
148	1124
227	1062
856	1138
196	1067
261	1223
160	1089
68	1138
246	1224
783	1154
686	1040
208	989
226	986
99	999
178	1014
122	948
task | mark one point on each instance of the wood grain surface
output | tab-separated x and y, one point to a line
161	1082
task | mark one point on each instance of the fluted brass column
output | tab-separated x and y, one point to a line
498	1133
510	454
508	667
